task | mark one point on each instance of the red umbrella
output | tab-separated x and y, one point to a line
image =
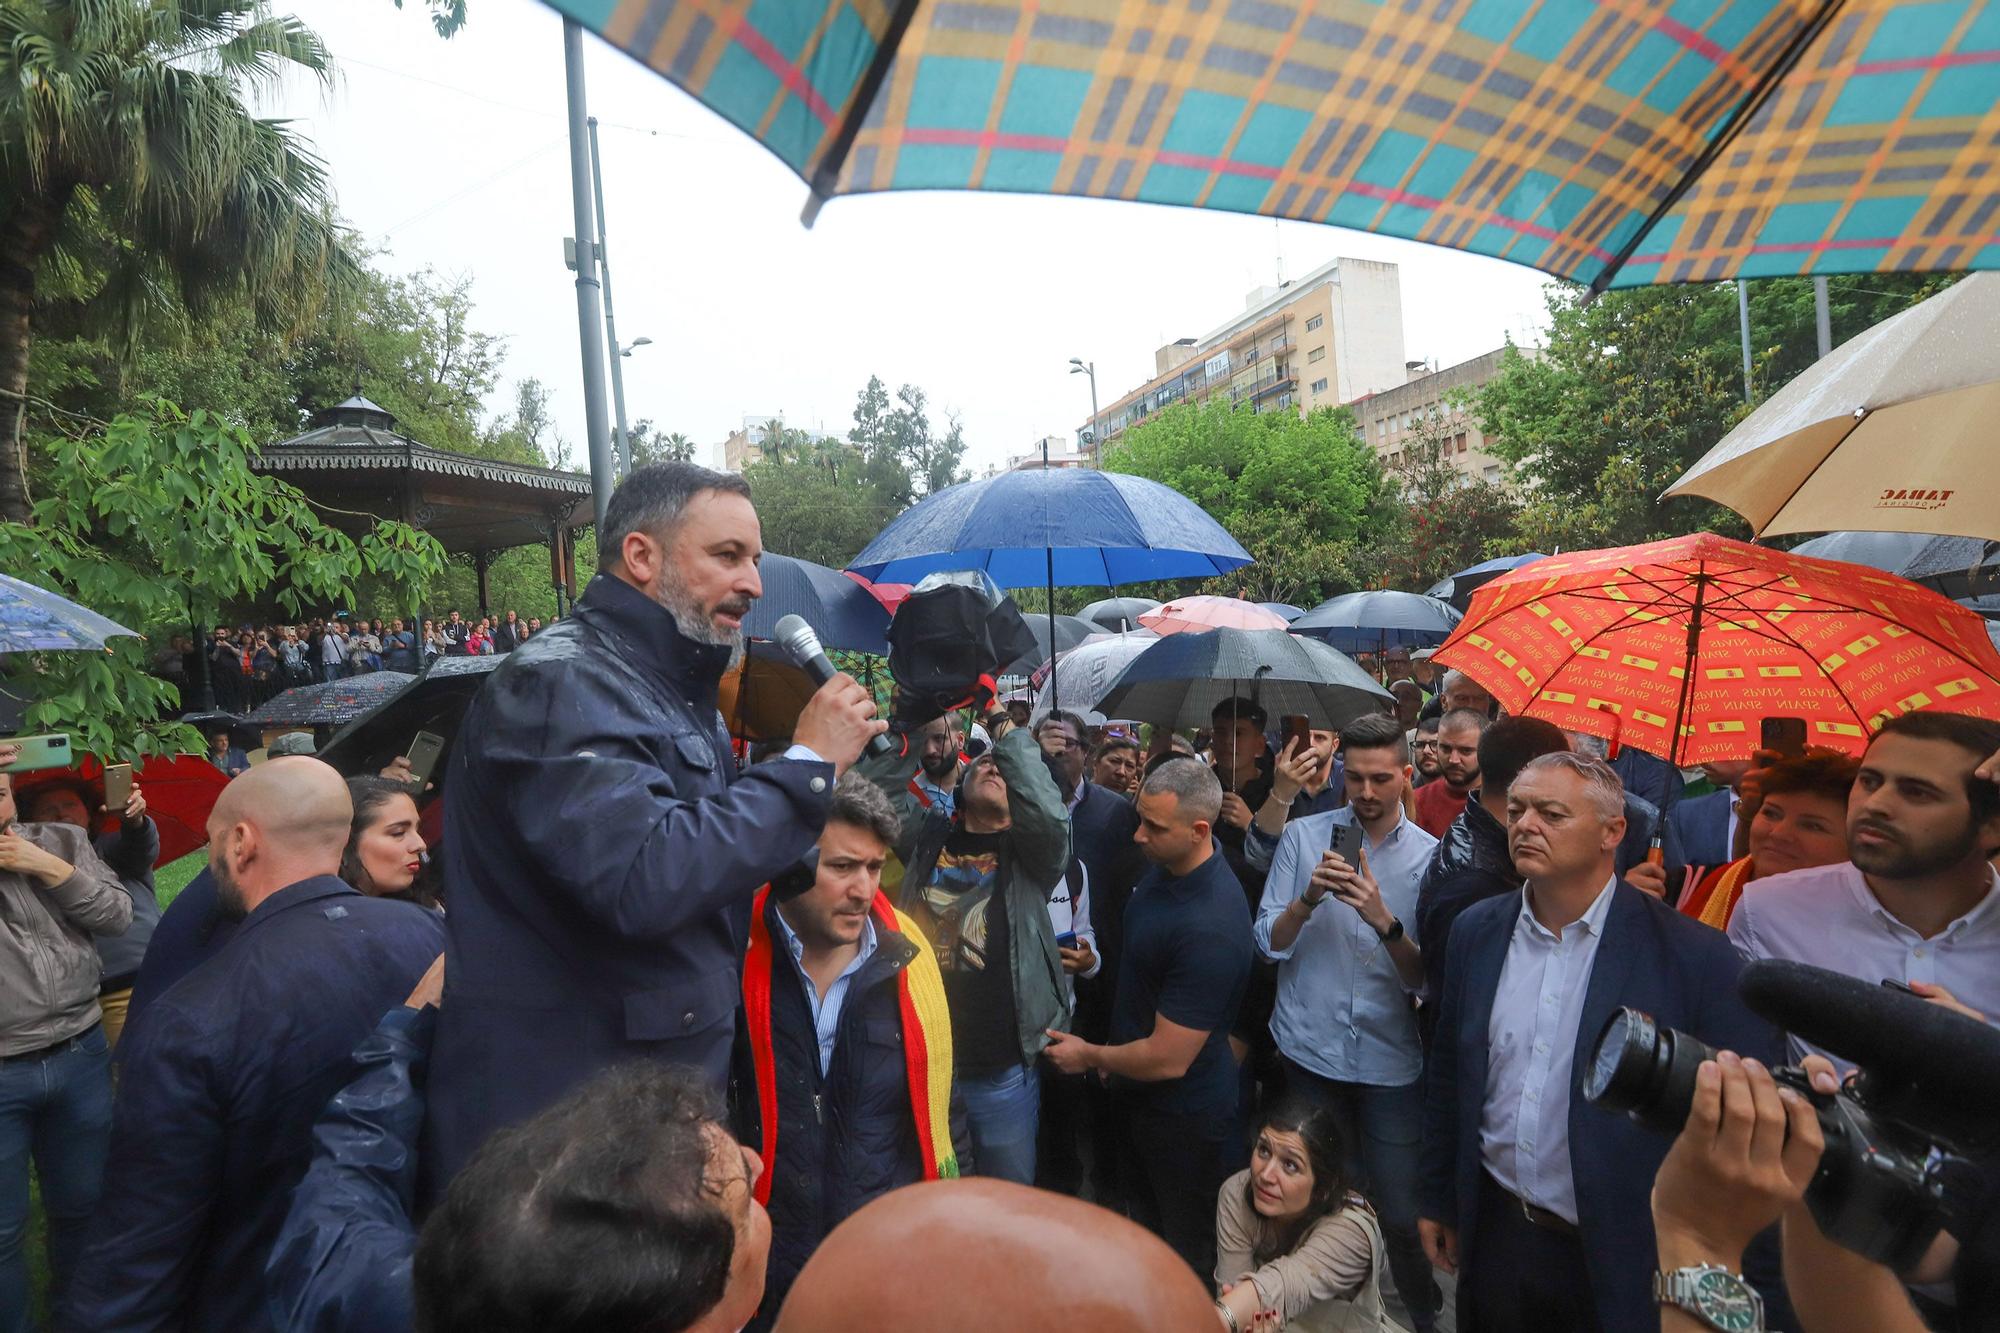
180	792
891	595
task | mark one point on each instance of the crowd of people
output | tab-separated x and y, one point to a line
247	666
643	1040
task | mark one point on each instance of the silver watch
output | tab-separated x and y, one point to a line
1714	1295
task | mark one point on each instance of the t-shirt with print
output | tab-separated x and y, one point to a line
963	915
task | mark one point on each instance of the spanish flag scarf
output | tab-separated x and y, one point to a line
1714	900
926	1041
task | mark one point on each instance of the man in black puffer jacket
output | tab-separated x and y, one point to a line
1471	862
843	1067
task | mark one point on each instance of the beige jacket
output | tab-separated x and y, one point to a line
48	966
1331	1283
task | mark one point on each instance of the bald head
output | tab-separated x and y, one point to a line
1014	1254
281	822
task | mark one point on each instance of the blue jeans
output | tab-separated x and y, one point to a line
1384	1127
55	1107
1004	1108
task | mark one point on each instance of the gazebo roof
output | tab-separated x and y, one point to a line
353	459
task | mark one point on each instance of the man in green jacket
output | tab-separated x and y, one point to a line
977	883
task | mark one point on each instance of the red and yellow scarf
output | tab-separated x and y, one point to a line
1714	900
926	1041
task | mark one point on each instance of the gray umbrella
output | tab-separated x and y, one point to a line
1118	613
1178	681
1956	566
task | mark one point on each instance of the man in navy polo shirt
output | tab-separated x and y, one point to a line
1187	956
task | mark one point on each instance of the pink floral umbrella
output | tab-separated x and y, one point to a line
1194	615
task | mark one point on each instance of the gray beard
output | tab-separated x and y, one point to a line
692	621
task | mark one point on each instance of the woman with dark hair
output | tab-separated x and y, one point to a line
385	852
1295	1247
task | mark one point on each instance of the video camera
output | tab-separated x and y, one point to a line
1898	1136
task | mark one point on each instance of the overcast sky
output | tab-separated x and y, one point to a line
453	154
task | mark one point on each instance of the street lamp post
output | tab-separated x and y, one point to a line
1078	366
618	400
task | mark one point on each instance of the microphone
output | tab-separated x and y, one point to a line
1924	1061
802	645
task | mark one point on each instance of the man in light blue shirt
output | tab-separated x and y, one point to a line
1347	970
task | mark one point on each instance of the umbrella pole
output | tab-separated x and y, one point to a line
1674	745
1055	692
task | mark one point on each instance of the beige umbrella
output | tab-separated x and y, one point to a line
1892	431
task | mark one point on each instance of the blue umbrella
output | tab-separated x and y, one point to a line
1371	621
35	620
1458	589
1064	527
842	612
1068	527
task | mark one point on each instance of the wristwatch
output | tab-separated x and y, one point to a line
1394	932
1714	1295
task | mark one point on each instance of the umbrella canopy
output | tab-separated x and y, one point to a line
1178	681
435	702
1066	527
1117	614
890	595
1877	434
1877	550
1284	610
180	791
1372	621
1197	614
333	703
1704	637
1956	566
1069	632
1604	147
1458	588
35	620
1082	675
841	611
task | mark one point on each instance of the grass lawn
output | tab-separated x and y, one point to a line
168	881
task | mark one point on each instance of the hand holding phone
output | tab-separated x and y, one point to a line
117	788
423	757
1784	736
33	753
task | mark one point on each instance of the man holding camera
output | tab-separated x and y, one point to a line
1915	904
1537	1198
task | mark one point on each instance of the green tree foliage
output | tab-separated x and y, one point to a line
447	16
1445	520
1303	495
809	514
158	520
133	173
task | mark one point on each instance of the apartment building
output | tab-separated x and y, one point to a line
745	445
1422	408
1334	335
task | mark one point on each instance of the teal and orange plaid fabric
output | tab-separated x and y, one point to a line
1547	132
1597	642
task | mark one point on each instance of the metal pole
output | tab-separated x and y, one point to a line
590	330
1055	691
610	324
1743	318
1096	427
1822	316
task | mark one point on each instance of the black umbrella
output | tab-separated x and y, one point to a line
331	704
842	612
1070	631
433	702
1960	567
1179	680
1118	614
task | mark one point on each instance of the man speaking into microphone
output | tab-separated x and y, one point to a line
601	852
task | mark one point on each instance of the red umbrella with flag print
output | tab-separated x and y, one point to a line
1681	648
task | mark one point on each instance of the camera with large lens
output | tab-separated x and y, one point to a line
1898	1136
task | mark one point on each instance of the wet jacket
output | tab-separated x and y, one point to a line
218	1090
130	852
342	1261
602	860
1036	856
845	1137
48	966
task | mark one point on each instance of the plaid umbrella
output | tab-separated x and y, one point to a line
331	704
1703	637
1613	145
34	620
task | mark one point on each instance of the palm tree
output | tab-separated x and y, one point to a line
679	447
128	154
